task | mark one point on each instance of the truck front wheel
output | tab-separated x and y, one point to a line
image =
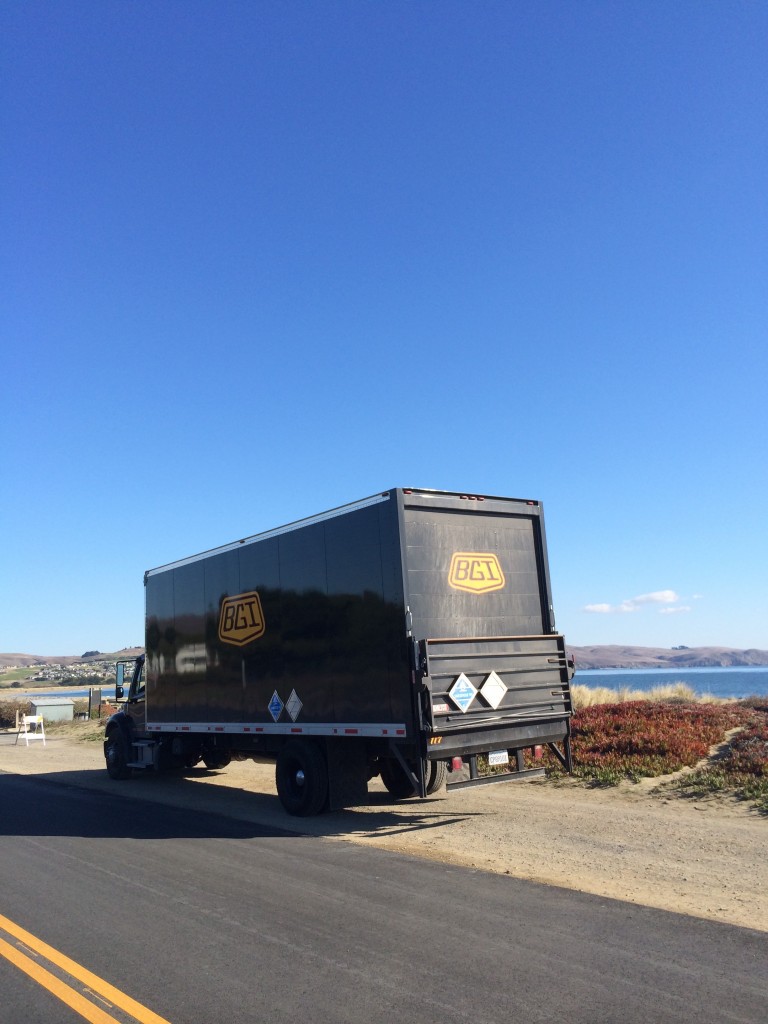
116	756
302	778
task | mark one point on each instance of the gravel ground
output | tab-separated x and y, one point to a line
634	843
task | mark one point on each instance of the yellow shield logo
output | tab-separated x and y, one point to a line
476	571
241	619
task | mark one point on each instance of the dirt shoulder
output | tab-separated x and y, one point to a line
633	843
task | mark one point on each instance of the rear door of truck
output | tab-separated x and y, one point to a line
492	670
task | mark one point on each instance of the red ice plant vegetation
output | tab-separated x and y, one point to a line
743	768
634	739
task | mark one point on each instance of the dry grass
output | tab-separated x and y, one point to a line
673	693
87	731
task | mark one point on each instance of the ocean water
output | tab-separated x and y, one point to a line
107	693
715	682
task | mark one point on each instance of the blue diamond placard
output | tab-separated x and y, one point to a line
275	706
462	693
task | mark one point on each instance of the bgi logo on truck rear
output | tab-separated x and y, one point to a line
476	571
241	619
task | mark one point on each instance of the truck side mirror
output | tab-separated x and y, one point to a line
119	680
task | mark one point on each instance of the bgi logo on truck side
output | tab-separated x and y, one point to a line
476	571
241	619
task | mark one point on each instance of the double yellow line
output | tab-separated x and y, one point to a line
110	995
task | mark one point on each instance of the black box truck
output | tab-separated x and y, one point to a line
400	636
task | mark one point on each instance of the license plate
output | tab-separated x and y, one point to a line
498	757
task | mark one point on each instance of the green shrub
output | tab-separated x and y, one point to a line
8	709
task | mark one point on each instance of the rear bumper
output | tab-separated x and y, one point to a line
479	740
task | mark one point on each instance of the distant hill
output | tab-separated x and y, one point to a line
618	656
599	656
34	660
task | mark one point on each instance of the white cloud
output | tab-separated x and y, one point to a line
675	610
657	597
633	604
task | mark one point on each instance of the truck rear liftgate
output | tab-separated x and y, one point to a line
497	695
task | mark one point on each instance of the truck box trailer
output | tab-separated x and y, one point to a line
401	636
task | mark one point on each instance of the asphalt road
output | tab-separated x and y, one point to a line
208	920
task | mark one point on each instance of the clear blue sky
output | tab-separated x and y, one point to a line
263	258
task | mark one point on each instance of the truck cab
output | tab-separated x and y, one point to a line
130	719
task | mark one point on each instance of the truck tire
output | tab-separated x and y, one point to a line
400	786
397	783
302	778
436	774
214	761
116	755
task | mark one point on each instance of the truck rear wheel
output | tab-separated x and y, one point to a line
116	756
215	760
302	778
400	786
436	773
397	783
